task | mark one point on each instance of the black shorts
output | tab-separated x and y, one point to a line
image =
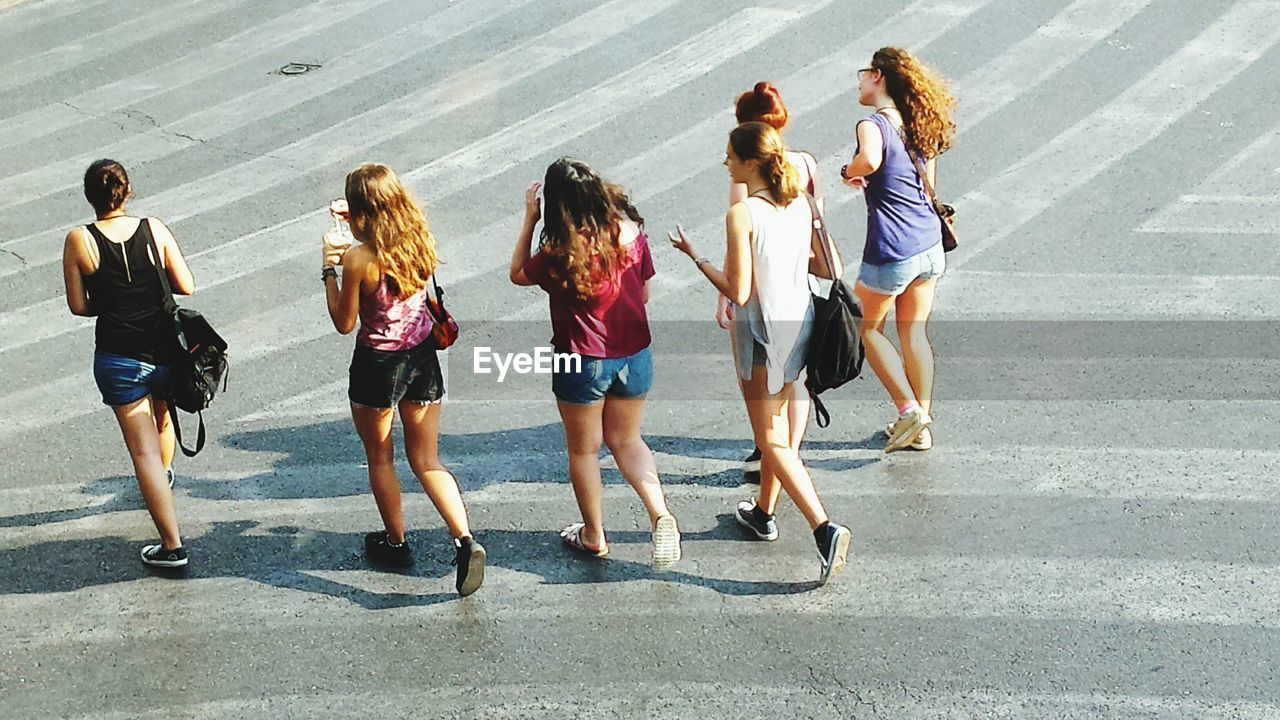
382	378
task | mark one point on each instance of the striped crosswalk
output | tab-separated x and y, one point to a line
1093	536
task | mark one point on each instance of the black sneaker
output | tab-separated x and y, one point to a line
380	552
751	467
470	559
761	524
832	550
157	556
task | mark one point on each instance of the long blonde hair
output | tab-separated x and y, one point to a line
389	222
921	96
761	142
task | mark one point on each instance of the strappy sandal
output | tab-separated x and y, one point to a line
572	536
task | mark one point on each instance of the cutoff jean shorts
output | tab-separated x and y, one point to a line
893	278
626	377
124	380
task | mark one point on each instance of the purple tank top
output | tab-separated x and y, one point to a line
389	323
900	219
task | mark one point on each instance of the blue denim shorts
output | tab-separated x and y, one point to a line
626	377
124	380
893	278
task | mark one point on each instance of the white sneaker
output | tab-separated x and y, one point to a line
666	543
923	441
907	428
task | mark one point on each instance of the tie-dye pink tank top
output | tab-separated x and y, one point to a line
389	323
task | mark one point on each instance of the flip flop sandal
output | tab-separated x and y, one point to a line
572	536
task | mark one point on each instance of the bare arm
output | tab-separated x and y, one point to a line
73	261
181	281
734	282
869	154
343	300
522	252
931	170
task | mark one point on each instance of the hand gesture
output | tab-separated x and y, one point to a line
532	203
681	242
724	312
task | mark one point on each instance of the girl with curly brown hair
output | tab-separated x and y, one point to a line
594	263
385	281
903	257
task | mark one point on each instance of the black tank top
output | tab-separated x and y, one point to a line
125	290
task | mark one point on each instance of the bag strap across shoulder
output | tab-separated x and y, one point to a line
920	170
171	308
166	291
824	239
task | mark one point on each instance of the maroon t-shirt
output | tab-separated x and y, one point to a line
611	324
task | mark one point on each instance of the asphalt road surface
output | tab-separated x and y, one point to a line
1095	534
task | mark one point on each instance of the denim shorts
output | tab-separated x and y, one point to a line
893	278
625	377
382	378
125	380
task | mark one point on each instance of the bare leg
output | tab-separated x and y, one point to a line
138	425
622	419
914	308
373	425
772	431
881	353
168	442
583	435
422	445
798	418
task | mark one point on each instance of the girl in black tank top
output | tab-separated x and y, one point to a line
116	279
126	291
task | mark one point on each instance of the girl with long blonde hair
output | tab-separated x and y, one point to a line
903	257
385	283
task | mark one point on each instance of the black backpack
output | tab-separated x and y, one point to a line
835	352
200	363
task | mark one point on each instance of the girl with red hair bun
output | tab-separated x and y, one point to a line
763	103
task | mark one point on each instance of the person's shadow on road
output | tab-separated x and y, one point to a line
323	460
297	559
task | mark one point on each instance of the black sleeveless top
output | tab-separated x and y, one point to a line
126	292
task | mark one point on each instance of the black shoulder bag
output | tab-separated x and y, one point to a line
200	359
835	352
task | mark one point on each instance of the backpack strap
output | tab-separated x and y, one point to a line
166	292
200	433
820	412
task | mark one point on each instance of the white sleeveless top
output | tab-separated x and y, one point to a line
779	313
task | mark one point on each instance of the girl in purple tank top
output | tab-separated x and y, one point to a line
902	259
384	285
